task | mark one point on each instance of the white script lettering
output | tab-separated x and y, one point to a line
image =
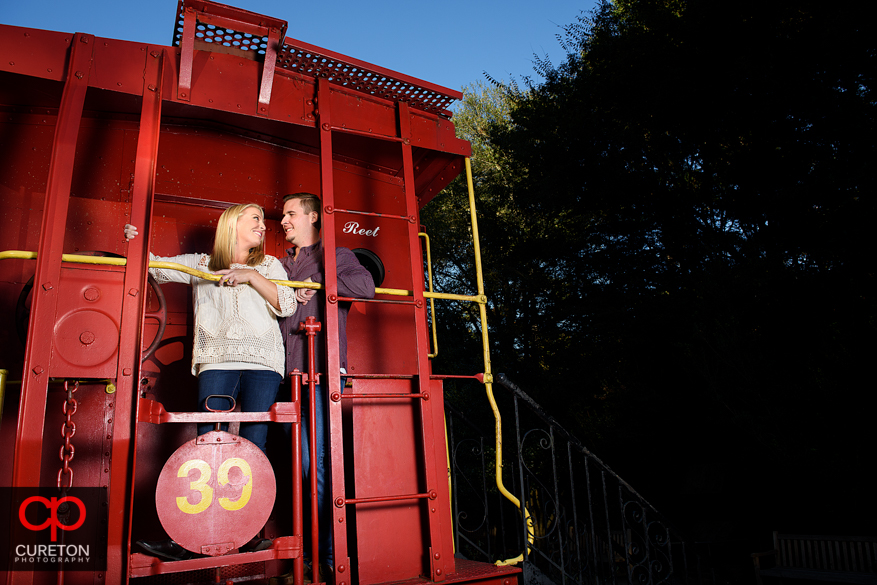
352	227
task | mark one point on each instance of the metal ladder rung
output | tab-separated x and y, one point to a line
384	301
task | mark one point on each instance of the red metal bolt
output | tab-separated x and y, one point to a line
86	337
336	396
91	294
38	370
341	568
339	502
432	495
326	127
426	395
126	372
437	556
47	286
438	571
79	75
133	292
333	299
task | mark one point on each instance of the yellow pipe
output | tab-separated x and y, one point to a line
488	376
105	260
431	298
450	487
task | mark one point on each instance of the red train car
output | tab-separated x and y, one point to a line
97	133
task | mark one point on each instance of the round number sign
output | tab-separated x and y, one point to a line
215	493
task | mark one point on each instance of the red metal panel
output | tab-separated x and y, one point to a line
387	459
120	67
37	53
87	323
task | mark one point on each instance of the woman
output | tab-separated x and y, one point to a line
238	347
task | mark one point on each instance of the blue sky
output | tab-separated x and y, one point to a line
450	44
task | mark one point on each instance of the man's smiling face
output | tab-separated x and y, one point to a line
298	225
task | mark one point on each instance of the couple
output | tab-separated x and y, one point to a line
247	338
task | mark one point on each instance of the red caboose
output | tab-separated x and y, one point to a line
98	133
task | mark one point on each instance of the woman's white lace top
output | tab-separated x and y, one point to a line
233	323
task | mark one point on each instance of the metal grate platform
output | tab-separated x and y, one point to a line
299	57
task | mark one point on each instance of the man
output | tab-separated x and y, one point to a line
304	262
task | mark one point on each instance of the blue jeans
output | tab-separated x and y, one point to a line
324	480
257	389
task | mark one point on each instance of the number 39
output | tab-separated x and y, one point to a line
201	485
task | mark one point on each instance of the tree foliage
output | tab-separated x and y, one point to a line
676	227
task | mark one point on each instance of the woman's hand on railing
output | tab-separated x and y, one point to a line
130	231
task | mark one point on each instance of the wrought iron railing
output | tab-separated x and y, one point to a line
589	526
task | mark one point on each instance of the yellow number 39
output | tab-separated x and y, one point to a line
200	484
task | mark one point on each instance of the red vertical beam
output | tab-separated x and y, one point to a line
333	383
121	480
187	54
34	388
297	489
441	555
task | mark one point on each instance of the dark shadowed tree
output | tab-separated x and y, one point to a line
677	232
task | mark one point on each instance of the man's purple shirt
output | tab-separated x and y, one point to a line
353	281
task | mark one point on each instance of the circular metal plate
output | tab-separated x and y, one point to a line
86	337
215	493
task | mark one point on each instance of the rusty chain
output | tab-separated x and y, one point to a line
68	429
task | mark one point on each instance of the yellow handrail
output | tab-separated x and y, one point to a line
488	376
105	260
431	298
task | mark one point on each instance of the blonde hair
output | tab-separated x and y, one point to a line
227	237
